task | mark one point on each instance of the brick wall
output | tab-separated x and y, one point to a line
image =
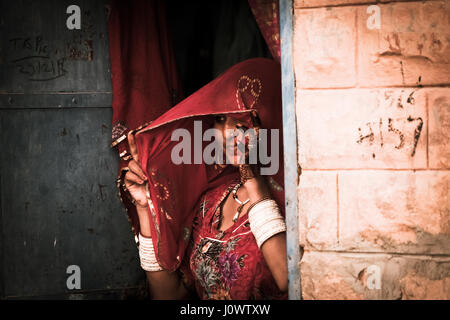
373	116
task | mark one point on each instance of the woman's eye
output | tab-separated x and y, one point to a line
241	127
220	118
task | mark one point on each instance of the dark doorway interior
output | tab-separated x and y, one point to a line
210	36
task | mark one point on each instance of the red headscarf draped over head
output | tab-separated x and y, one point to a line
250	86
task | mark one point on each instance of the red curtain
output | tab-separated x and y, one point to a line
144	78
267	16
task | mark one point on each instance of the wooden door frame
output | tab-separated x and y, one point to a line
292	169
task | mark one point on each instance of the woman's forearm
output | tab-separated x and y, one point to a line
144	221
164	285
274	248
256	189
274	252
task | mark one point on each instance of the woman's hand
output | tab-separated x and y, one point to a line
136	184
274	248
135	178
164	285
253	182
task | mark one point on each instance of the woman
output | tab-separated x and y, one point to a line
213	229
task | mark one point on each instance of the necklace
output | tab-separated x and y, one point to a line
241	204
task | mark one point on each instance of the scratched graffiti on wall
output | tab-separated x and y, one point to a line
80	45
394	133
36	59
40	59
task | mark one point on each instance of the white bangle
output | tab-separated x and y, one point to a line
265	220
147	254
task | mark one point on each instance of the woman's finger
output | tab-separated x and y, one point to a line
132	145
133	178
136	169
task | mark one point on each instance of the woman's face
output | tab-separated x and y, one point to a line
227	125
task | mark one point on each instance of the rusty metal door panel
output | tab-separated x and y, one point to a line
59	203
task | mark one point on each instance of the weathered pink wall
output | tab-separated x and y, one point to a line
373	113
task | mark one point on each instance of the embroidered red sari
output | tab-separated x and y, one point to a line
225	265
185	198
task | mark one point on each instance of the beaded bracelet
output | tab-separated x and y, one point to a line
255	203
265	220
147	254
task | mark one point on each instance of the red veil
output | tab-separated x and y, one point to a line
250	86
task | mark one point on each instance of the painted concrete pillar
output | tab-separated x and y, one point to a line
373	117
